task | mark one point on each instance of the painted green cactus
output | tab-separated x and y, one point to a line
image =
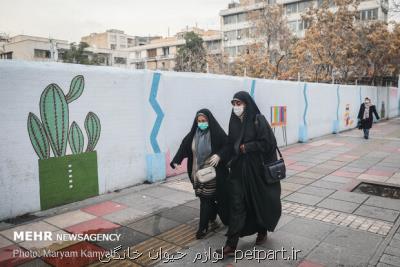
53	130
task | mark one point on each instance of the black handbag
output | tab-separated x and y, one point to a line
275	171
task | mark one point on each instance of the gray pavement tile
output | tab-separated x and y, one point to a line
125	216
303	198
380	264
349	196
390	259
392	251
339	205
144	203
395	243
194	203
311	175
337	179
291	186
285	219
355	240
281	239
182	214
332	255
316	191
153	225
308	228
300	180
328	185
128	238
377	213
169	194
383	202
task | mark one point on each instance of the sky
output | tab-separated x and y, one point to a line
72	19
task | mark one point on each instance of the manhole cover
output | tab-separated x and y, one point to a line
378	190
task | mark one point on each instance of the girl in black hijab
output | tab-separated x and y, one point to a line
255	206
204	144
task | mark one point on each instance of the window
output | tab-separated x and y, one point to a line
122	46
271	2
230	35
113	46
39	53
304	5
7	55
243	33
230	19
371	14
140	65
291	8
330	3
119	60
242	17
292	25
231	51
138	55
113	38
304	24
165	51
152	53
243	49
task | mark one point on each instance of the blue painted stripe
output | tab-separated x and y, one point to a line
158	110
338	102
253	88
306	106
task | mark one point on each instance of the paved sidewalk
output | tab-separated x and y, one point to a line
322	218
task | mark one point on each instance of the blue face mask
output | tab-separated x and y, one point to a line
202	125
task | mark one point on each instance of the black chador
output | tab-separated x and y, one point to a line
255	206
213	194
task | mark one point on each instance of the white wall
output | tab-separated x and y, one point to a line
120	98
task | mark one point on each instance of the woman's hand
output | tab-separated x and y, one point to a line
242	148
214	160
175	165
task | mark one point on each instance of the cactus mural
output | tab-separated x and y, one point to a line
64	178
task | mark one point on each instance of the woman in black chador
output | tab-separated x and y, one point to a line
204	144
255	206
365	116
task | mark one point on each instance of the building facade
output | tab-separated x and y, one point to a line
160	54
237	29
33	48
115	40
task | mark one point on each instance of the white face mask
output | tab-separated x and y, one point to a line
238	110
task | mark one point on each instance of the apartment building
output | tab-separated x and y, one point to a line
160	54
237	29
116	40
26	47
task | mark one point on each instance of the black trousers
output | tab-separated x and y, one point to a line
208	212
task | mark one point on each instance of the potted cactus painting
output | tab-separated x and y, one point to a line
64	178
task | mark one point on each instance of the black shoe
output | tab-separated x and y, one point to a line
261	238
201	234
226	251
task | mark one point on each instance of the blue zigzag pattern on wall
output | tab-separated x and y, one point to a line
253	88
158	110
306	102
338	102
